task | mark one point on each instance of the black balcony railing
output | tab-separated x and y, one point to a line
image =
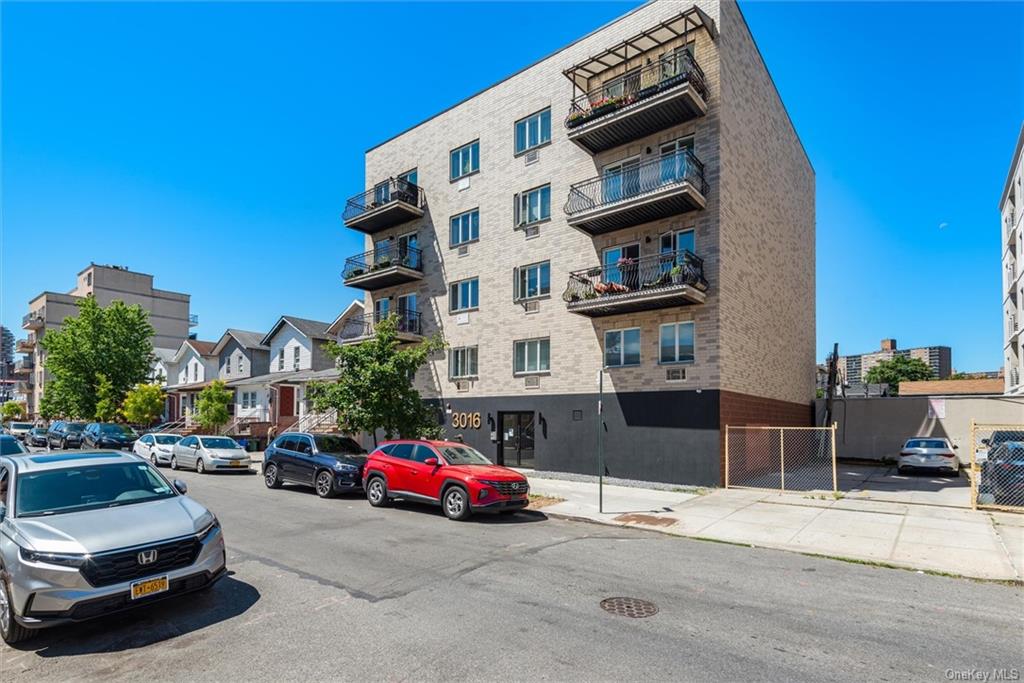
386	256
391	190
637	179
637	85
633	275
359	327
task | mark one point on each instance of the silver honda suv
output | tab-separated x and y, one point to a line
86	534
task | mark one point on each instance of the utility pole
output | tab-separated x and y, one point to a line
600	441
833	377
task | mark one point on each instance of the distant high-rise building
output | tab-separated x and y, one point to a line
854	368
6	365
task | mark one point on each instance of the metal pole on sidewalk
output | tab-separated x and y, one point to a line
835	478
600	441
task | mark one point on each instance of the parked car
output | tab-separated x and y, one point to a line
453	475
156	448
208	453
1002	474
86	535
65	434
999	436
330	463
19	429
36	437
11	446
107	435
927	452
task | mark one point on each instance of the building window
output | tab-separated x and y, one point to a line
462	362
228	369
465	160
409	177
464	295
280	358
245	400
465	227
533	205
195	372
533	281
622	347
533	131
532	356
296	352
676	343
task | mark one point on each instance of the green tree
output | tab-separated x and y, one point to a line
374	390
106	401
212	405
144	404
114	343
898	369
13	410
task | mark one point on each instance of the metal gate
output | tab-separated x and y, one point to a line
997	466
781	458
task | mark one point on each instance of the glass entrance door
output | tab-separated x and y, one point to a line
517	431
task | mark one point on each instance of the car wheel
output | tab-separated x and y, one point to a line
152	459
324	484
455	503
63	444
200	467
10	630
377	492
174	463
271	476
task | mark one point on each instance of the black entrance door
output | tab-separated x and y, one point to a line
517	439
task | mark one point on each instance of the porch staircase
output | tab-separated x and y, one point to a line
316	422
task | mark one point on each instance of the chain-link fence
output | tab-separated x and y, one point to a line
781	458
997	466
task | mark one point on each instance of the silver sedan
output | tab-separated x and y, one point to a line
209	453
931	453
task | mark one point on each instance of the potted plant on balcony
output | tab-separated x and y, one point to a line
577	117
678	278
605	105
355	272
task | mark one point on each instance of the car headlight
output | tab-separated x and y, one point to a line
62	559
344	467
209	529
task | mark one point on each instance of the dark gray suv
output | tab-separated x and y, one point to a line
65	435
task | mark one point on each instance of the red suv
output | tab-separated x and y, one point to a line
449	474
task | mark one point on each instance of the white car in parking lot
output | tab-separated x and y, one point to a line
156	447
928	452
209	453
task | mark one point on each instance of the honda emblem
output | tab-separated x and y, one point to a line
147	557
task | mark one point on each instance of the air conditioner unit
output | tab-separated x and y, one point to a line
532	231
675	374
532	157
462	319
462	385
464	250
532	382
531	306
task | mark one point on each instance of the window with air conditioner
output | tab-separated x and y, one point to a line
533	206
532	356
533	131
465	228
462	362
676	343
532	281
465	160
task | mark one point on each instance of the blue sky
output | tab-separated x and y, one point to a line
214	145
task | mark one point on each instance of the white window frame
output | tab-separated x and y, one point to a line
296	357
517	283
675	326
522	205
469	222
280	358
460	151
535	344
455	303
622	347
465	359
536	119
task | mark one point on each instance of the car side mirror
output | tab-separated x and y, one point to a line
195	447
431	461
181	486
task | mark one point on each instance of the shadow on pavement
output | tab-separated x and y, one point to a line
518	517
178	619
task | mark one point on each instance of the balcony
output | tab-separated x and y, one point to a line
26	345
650	282
390	203
193	319
361	328
36	320
392	264
24	367
663	94
639	193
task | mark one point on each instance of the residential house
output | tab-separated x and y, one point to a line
194	366
241	357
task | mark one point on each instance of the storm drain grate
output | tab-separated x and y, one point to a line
635	608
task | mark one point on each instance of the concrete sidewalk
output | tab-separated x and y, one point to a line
956	541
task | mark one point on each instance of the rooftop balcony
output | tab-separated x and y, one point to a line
663	94
390	203
35	320
639	193
647	283
359	329
392	264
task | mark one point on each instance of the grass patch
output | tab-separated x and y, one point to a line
537	501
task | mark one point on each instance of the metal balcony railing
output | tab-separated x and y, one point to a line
635	180
193	319
632	275
408	322
637	85
387	256
37	316
391	190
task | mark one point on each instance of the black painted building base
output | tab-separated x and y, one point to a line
663	436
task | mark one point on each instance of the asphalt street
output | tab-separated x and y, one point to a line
337	590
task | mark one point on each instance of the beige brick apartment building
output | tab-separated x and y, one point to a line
1011	209
638	204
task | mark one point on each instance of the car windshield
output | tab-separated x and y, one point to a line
336	444
74	427
87	487
21	425
926	443
167	439
39	431
1002	436
113	429
463	455
219	442
10	446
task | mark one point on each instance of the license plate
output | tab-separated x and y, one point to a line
141	589
239	463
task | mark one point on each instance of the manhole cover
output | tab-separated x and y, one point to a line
634	608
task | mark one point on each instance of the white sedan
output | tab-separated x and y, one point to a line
925	452
208	453
156	447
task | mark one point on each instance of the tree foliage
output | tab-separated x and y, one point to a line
144	404
898	369
13	410
98	346
212	405
106	401
374	390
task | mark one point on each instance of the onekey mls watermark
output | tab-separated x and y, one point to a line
983	675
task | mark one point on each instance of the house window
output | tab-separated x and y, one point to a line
532	356
533	281
465	227
381	193
620	265
195	372
465	160
680	240
676	343
408	177
533	205
464	295
462	362
296	352
245	400
622	347
674	160
280	358
381	309
533	131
